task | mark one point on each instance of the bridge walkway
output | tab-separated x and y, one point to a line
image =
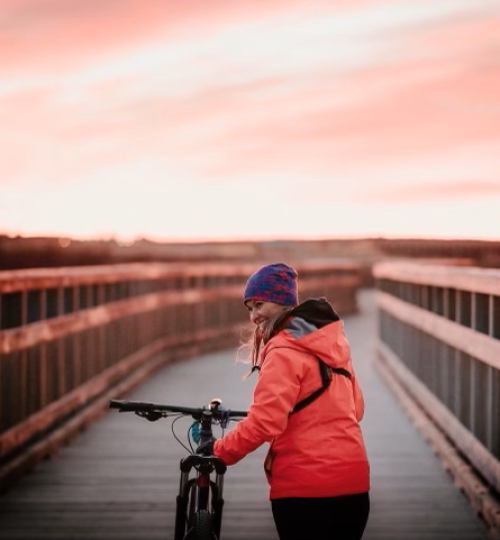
118	479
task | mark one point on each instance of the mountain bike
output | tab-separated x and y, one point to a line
200	500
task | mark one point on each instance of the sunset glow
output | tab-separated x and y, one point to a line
227	120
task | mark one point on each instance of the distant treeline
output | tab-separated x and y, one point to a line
30	252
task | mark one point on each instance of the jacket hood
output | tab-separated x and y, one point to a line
317	311
314	327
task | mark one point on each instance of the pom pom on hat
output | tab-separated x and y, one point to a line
275	283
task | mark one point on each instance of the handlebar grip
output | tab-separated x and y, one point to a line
115	404
128	406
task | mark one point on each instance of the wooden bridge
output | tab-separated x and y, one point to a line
424	347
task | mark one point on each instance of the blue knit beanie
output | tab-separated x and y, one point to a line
275	283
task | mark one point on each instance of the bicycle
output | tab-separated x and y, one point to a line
200	500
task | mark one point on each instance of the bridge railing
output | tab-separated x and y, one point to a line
71	337
439	329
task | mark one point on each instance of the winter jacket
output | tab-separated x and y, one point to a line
319	450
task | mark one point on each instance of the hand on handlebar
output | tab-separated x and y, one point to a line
206	448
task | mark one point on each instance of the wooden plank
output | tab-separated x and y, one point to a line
473	279
35	278
474	343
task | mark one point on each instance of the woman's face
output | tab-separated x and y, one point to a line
261	312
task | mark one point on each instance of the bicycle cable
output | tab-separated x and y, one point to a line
189	436
175	435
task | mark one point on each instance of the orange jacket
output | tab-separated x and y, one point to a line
319	450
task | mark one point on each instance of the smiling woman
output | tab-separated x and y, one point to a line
176	112
307	405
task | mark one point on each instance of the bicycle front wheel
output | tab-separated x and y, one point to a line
201	526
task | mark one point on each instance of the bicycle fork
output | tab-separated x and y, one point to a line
201	487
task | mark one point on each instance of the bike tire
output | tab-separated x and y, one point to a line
201	528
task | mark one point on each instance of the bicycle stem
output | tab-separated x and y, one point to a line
206	427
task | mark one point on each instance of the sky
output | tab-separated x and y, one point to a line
192	120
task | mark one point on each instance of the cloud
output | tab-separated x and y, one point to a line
433	192
42	35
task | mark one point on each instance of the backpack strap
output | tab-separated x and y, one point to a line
326	373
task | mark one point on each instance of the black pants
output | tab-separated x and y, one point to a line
322	518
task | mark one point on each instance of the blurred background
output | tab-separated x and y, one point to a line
138	125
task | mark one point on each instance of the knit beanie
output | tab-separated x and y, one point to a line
275	283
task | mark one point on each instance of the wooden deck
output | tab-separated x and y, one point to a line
118	480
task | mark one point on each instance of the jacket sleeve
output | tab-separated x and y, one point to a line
275	394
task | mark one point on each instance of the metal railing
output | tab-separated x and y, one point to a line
439	329
69	337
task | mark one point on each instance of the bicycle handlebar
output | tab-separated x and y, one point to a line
138	406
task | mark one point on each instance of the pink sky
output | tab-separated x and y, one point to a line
224	119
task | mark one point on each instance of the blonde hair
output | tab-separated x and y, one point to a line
260	336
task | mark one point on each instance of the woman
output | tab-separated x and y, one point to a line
307	405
